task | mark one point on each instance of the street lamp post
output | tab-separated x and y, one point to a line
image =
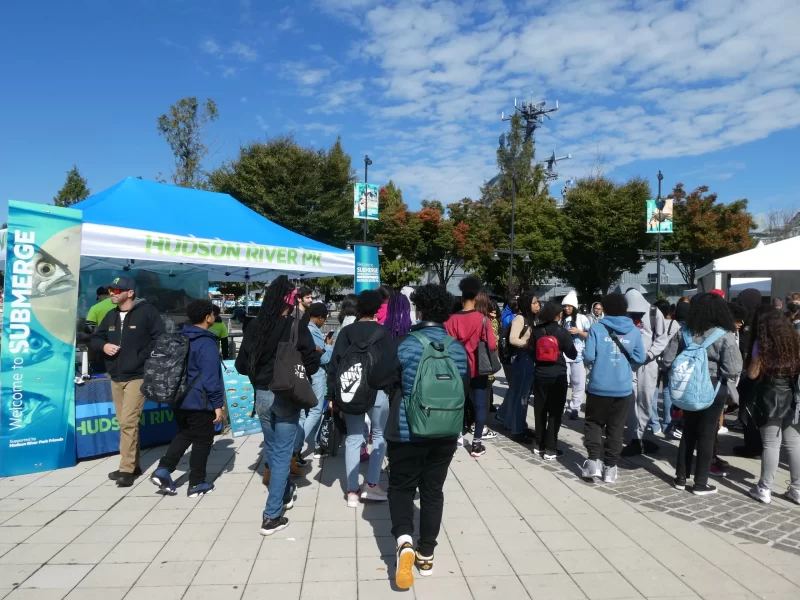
511	253
367	163
660	217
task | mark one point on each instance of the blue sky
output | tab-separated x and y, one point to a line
708	91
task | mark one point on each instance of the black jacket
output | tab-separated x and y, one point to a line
135	336
554	369
360	331
280	333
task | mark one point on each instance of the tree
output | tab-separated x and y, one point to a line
183	128
228	288
537	228
783	223
75	189
705	229
398	231
330	286
305	190
603	227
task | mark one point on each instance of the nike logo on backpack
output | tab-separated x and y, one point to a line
349	381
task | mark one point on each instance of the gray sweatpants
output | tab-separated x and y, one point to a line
771	435
645	380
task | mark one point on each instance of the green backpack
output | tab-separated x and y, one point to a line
435	408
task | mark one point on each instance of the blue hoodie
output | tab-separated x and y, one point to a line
611	373
207	392
506	317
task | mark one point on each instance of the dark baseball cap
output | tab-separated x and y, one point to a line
122	283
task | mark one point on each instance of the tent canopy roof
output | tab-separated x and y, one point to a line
165	227
780	256
139	204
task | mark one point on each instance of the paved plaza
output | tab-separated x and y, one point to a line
514	527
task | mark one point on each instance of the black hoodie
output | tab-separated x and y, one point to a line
135	336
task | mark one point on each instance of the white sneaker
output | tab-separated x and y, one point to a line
460	442
488	434
591	470
761	494
722	430
609	474
376	493
353	499
793	495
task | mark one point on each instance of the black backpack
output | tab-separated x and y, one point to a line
507	349
351	394
166	370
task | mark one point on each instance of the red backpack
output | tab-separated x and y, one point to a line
547	349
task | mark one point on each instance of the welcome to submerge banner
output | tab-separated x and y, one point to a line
37	365
368	270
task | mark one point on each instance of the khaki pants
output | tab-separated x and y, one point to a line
128	404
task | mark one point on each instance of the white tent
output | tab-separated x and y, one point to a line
779	262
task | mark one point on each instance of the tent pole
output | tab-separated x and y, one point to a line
246	297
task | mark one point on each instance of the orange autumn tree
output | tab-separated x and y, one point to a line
706	229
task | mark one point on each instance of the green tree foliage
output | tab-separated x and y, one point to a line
537	228
183	128
306	190
705	229
75	189
228	288
398	231
603	228
327	287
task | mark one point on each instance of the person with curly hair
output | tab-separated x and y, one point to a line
775	366
707	314
417	464
279	417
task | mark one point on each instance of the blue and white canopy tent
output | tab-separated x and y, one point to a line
163	228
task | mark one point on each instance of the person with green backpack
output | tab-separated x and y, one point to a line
426	377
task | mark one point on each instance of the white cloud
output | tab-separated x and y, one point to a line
237	49
286	24
243	99
325	129
637	80
304	75
261	123
315	47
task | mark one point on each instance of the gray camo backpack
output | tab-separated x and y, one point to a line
166	370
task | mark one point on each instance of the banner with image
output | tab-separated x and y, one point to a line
37	365
368	269
240	398
365	201
659	222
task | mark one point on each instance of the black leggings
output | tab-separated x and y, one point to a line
699	431
550	396
195	429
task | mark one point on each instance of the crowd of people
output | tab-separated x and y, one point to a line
413	374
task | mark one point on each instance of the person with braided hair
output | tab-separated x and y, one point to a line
279	417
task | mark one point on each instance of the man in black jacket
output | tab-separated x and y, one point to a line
125	337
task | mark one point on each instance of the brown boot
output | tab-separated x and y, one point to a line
294	468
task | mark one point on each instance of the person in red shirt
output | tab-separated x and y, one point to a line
469	327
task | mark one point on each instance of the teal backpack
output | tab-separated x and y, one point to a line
435	408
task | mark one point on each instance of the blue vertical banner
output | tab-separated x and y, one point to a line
37	365
240	397
368	269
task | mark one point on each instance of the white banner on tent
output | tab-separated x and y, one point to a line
119	242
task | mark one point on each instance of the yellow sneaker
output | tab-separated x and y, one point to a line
404	578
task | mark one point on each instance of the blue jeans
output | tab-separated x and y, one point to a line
478	387
313	421
654	423
378	415
279	425
515	405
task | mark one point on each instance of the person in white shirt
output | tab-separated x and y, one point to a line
578	325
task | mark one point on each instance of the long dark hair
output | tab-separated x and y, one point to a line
778	342
483	303
348	307
398	316
525	301
272	307
708	311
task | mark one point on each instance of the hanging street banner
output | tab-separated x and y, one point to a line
665	224
37	364
368	269
365	201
